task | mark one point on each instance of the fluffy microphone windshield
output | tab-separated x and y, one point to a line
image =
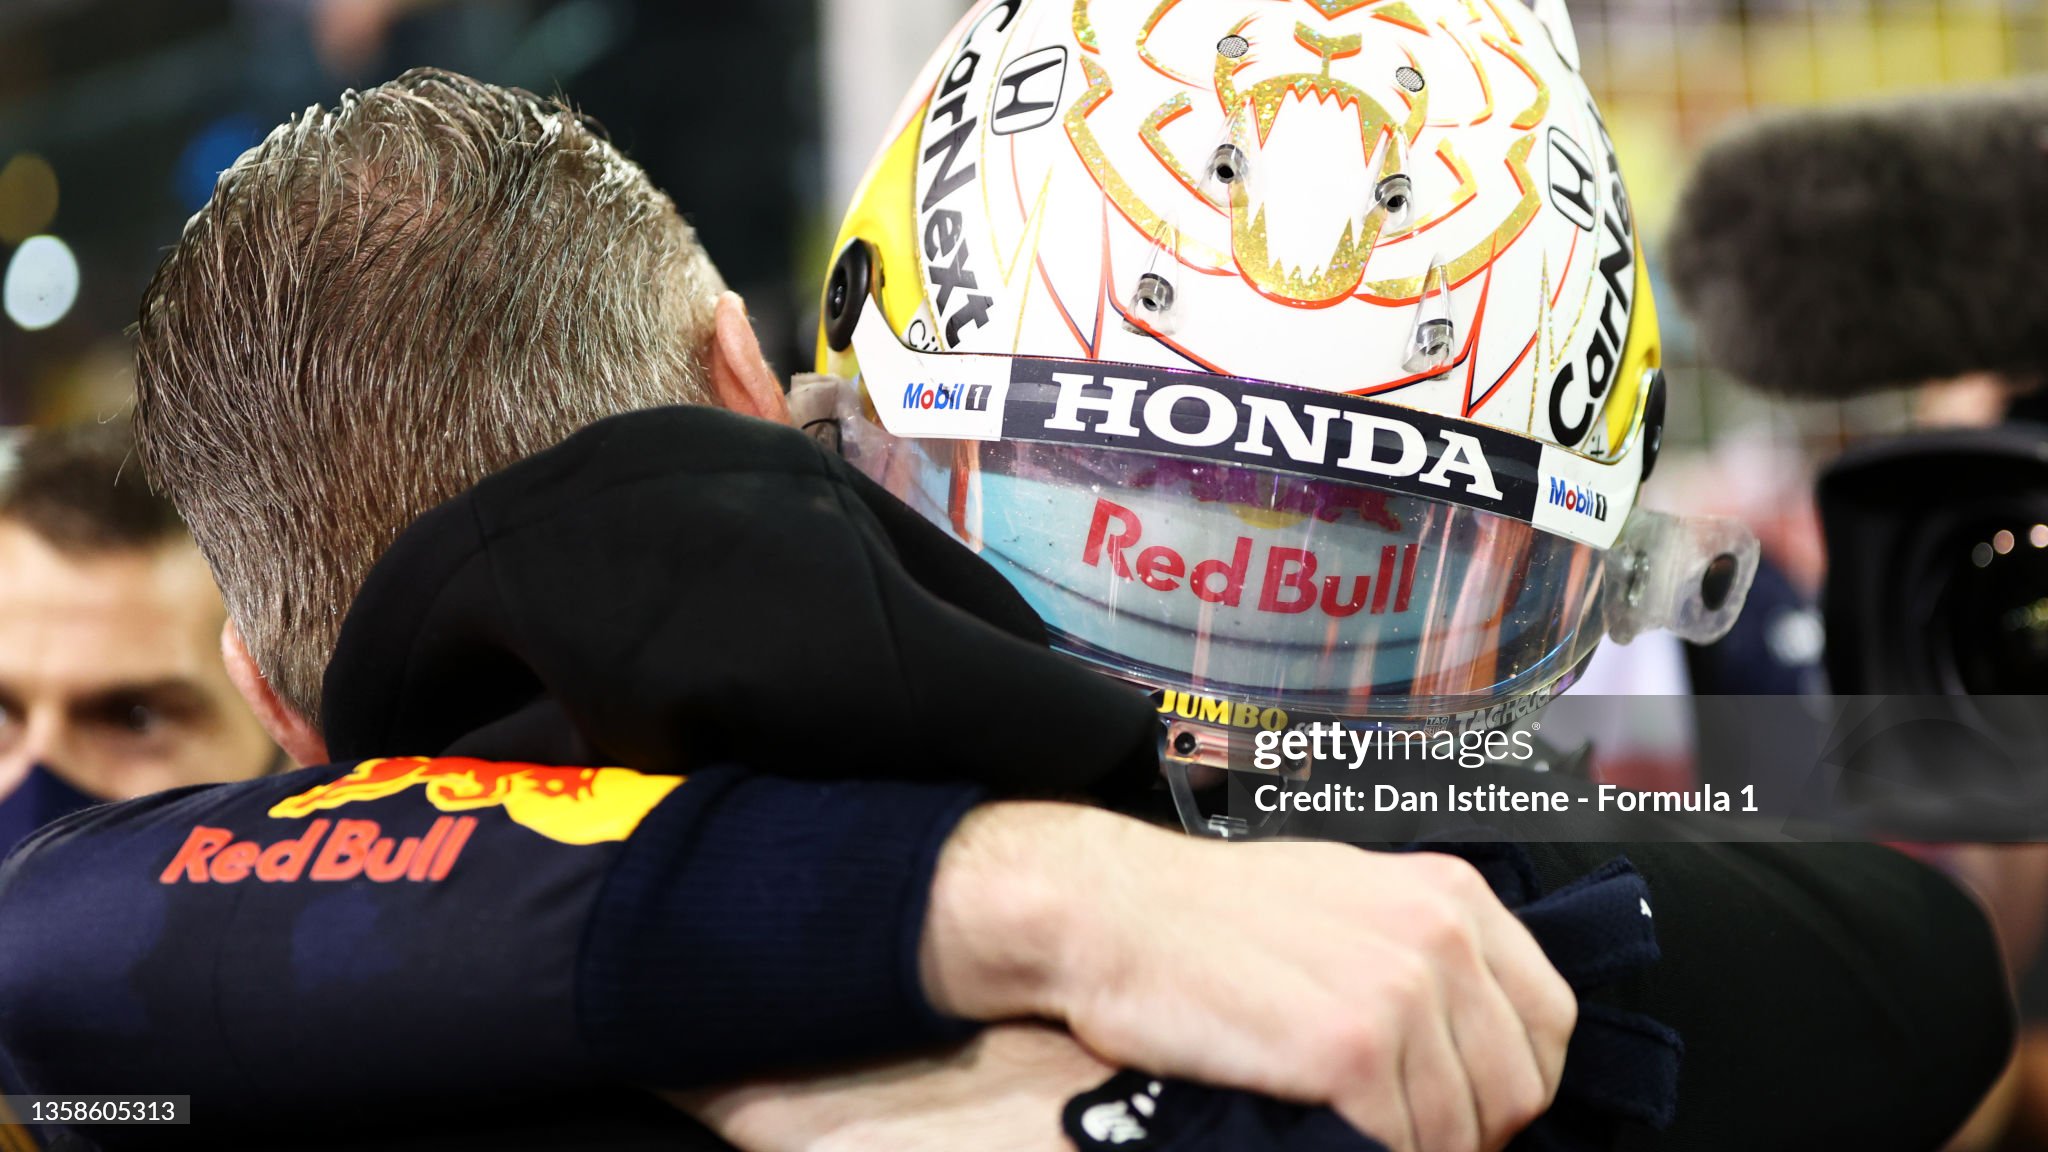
1838	252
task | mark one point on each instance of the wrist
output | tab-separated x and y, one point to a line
1011	900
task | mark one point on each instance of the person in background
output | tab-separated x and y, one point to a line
111	681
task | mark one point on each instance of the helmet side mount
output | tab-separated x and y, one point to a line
846	293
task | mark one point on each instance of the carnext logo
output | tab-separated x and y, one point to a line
947	397
1578	498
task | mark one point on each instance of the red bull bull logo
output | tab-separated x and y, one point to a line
569	805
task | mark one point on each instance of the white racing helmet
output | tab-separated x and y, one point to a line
1291	359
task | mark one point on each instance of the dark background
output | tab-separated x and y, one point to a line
135	105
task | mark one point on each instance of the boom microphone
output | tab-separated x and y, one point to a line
1832	253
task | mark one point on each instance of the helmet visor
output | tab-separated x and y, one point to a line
1253	584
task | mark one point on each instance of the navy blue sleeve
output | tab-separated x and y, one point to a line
760	923
404	930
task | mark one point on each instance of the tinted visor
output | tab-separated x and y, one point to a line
1311	594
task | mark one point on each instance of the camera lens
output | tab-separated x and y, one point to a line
1995	609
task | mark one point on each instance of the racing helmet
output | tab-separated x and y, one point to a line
1291	358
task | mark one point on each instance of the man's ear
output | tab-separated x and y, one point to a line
741	379
299	738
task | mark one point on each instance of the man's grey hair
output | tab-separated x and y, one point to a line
382	304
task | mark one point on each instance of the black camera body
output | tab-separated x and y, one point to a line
1936	611
1937	548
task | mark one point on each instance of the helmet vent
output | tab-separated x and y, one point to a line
1394	195
1234	46
1408	78
1154	294
1227	164
1430	345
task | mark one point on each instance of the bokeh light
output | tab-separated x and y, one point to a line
210	152
41	283
28	197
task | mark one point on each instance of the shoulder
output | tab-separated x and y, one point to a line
408	818
108	832
241	918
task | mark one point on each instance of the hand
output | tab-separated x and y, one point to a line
1395	988
1002	1093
